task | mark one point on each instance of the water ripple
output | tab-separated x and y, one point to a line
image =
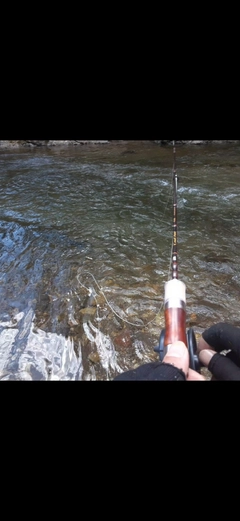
85	250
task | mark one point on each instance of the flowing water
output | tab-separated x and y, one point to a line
85	251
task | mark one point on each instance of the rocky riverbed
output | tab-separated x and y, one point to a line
85	251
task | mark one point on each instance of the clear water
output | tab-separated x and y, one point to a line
85	250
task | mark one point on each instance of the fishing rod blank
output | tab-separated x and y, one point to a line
175	298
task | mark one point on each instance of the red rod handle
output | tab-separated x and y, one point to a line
175	312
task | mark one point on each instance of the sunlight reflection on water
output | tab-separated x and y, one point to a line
76	221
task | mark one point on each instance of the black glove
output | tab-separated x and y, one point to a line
153	371
222	337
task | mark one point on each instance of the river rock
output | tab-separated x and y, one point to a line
123	339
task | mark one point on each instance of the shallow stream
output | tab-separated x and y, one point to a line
85	250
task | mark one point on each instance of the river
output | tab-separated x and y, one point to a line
85	251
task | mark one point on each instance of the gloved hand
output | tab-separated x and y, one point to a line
214	340
175	366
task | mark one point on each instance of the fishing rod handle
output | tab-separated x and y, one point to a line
175	323
175	313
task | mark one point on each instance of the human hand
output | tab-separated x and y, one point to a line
216	339
175	367
178	356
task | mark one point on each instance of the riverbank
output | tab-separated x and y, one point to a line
75	142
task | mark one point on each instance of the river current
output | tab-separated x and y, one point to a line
85	251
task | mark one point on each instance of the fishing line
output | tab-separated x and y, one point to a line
108	303
95	294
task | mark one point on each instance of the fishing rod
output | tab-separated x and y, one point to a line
175	298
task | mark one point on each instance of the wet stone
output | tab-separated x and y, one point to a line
94	358
123	340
